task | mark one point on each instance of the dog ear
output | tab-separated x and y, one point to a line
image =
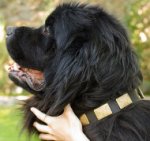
71	35
94	61
69	25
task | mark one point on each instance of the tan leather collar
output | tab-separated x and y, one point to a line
106	109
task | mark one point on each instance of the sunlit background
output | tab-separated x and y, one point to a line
134	14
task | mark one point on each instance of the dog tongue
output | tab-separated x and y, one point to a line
34	73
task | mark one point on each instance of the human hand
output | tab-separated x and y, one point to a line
66	127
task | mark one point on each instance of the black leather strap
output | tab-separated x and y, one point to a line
135	96
113	106
91	116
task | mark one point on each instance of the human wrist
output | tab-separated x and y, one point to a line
78	136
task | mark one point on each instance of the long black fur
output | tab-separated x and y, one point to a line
87	60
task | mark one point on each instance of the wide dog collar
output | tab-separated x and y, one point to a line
111	107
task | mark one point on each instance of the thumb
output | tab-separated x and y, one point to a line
68	109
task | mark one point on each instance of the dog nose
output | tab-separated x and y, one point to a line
10	30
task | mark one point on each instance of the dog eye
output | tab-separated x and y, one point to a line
46	31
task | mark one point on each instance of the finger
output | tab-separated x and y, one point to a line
43	117
47	137
42	128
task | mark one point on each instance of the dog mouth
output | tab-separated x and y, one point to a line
33	78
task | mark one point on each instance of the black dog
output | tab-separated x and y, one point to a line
81	56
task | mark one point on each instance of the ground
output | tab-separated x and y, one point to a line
10	125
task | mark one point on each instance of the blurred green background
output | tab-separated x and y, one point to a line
134	14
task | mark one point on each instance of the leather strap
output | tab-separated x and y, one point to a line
111	107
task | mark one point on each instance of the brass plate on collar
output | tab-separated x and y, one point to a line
102	111
84	120
123	101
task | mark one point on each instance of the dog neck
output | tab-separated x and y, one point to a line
111	107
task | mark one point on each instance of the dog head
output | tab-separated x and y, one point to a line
81	55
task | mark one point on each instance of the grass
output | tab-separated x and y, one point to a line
10	125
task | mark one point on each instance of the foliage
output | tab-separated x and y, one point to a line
138	22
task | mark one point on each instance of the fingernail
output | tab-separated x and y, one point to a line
32	109
34	124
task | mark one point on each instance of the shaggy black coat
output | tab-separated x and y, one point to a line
87	59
